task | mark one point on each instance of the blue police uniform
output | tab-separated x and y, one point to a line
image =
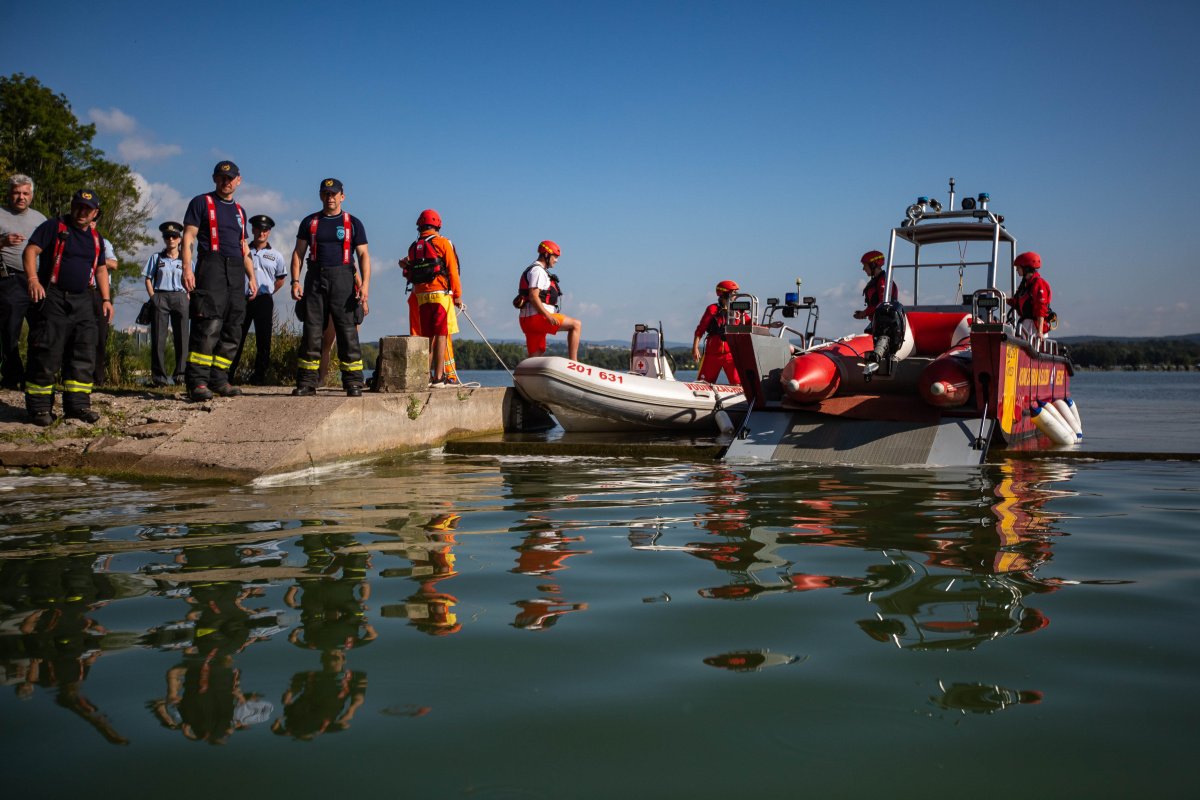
269	266
169	308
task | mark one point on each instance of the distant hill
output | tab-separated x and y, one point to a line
1189	337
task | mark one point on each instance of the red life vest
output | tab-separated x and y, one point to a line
1024	297
425	263
873	292
552	294
214	244
718	318
60	244
312	238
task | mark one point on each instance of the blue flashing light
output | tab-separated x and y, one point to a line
792	298
984	197
923	201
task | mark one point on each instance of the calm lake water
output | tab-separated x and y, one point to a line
444	626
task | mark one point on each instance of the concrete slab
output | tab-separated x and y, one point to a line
264	432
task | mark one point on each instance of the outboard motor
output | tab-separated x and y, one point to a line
893	342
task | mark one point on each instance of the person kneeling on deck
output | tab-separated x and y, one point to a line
537	296
872	264
432	268
1032	298
717	355
71	261
332	239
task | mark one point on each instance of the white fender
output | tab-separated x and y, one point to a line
724	423
1068	417
1075	410
1048	422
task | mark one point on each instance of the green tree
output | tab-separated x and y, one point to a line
41	137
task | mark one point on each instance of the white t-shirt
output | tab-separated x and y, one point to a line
538	279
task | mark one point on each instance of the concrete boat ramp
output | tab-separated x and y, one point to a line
264	432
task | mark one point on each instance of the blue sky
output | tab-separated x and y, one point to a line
666	146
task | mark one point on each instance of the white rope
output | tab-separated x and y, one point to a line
463	309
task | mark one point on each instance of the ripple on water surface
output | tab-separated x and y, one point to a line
584	627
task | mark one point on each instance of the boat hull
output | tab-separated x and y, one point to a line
585	398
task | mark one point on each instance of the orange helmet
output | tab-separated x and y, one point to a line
549	248
725	287
1030	260
872	258
430	217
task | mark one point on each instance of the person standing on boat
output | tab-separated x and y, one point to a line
872	264
717	355
217	303
1032	298
331	289
539	312
169	300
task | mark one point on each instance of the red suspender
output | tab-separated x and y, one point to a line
60	244
214	243
312	237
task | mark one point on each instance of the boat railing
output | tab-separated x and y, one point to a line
790	308
745	306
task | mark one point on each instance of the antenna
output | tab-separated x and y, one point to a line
951	208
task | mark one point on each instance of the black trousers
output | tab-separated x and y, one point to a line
101	338
169	308
329	293
14	308
216	309
260	312
63	317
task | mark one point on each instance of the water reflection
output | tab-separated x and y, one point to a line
919	560
49	638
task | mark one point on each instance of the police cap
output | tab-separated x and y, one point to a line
171	229
331	185
262	221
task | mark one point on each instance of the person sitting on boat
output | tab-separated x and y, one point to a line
537	297
1032	298
872	264
717	355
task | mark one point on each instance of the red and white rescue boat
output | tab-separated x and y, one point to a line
647	397
928	384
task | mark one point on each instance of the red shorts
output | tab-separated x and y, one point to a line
536	329
434	319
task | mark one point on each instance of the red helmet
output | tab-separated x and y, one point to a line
724	287
430	217
549	248
1031	260
872	258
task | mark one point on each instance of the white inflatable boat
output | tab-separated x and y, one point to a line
586	398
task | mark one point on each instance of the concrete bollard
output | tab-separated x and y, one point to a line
403	364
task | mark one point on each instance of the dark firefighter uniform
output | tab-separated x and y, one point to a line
330	292
66	270
218	303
